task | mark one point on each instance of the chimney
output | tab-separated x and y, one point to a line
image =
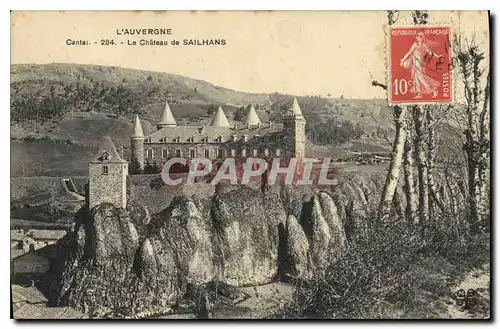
235	126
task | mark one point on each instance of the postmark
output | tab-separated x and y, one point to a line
420	65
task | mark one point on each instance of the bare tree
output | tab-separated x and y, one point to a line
411	196
391	181
420	155
399	113
431	159
477	135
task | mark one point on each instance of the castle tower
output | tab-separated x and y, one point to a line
137	146
252	118
219	119
167	118
107	177
295	124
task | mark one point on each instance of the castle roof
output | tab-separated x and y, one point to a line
108	148
252	117
167	118
137	132
212	133
296	108
219	119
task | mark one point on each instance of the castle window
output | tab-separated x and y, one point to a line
220	139
105	156
191	153
205	139
235	138
221	153
163	140
191	139
207	154
148	140
255	152
164	154
178	153
177	139
149	154
244	153
266	152
233	153
245	138
105	170
278	152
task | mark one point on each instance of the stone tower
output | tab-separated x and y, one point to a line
107	177
295	125
137	146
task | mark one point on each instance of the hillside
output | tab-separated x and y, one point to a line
59	112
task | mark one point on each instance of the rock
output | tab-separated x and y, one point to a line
120	261
320	236
297	248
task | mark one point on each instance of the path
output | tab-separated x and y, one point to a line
479	280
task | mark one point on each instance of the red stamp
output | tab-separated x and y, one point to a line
420	65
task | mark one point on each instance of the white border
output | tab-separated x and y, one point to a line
209	5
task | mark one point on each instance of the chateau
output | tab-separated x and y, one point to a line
220	139
108	170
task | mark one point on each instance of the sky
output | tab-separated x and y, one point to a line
335	53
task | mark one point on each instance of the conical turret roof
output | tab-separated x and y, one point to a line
137	132
252	118
296	108
219	119
167	118
108	148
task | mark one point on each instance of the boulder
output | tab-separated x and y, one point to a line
127	263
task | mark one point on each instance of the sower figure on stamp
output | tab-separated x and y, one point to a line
416	59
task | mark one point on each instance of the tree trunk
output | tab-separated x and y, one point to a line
398	204
450	192
484	155
431	159
411	197
423	192
396	160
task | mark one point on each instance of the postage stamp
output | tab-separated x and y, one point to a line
420	69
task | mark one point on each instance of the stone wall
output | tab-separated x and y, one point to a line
110	187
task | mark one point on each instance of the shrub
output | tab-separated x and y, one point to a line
386	268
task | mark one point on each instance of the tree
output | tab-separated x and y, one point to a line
399	113
477	135
240	114
392	178
420	154
411	197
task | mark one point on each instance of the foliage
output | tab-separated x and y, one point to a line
333	131
383	270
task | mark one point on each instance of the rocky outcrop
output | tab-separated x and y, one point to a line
126	262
